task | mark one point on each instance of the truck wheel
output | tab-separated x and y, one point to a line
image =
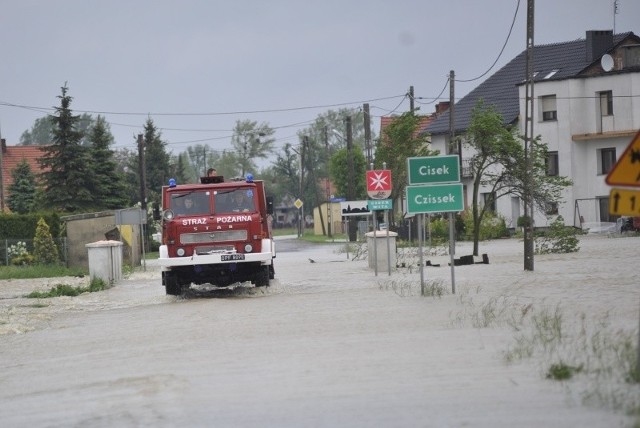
262	277
172	285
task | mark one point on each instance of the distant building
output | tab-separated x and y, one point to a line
586	109
10	157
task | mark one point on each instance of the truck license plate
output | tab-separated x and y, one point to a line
231	257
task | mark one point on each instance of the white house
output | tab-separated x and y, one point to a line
586	109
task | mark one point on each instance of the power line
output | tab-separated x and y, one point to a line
433	100
501	50
228	113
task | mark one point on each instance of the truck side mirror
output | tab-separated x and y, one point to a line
270	205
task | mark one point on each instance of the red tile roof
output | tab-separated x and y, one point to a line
11	157
424	121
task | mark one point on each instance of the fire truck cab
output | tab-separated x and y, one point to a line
216	232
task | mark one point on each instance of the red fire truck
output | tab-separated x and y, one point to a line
216	232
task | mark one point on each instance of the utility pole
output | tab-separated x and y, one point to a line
328	182
3	143
528	143
141	170
453	148
412	106
305	141
367	133
351	188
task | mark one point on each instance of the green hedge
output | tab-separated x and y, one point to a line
23	226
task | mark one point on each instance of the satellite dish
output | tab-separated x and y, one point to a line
606	62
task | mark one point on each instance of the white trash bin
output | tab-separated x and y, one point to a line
105	261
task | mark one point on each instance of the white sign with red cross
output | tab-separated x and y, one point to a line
379	183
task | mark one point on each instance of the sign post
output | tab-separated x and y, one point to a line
299	204
379	189
626	172
434	187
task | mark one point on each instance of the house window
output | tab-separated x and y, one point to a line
551	208
603	204
606	103
607	160
548	106
489	201
552	164
551	73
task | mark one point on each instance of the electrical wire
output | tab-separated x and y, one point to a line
389	112
229	113
501	50
436	98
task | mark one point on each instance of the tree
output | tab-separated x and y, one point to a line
41	133
327	135
180	167
250	141
127	167
339	170
285	174
44	249
198	161
108	189
498	165
22	192
156	161
66	163
401	139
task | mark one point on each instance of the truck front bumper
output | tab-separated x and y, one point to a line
265	257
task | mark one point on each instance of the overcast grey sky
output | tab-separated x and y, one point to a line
198	66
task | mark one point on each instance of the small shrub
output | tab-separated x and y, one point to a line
440	229
492	226
523	221
559	239
22	260
57	291
18	254
44	249
433	288
562	371
96	284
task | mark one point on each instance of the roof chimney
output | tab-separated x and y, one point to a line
441	107
598	42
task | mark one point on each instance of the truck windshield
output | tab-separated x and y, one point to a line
190	203
238	200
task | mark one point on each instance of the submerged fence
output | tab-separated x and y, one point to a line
10	249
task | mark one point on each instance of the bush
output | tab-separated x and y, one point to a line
492	226
23	260
558	239
18	254
440	229
44	249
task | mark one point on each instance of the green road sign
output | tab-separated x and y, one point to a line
435	198
434	169
379	204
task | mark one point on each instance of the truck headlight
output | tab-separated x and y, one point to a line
248	248
168	215
180	252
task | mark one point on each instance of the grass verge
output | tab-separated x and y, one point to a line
38	271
